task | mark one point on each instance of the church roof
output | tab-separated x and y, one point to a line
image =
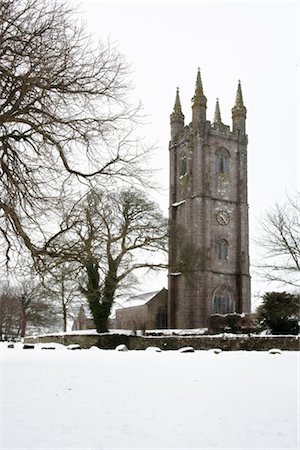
139	300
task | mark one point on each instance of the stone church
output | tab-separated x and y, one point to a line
209	249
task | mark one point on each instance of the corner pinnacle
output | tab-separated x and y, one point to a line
199	87
199	97
239	97
177	105
217	117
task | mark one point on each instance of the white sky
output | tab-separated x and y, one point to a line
255	41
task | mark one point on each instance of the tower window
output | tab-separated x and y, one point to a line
183	165
222	162
223	249
222	301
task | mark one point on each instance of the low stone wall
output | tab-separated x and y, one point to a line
110	341
105	341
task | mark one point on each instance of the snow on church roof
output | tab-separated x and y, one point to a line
139	300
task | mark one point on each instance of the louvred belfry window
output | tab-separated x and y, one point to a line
222	161
223	250
183	165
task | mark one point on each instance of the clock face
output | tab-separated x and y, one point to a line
223	218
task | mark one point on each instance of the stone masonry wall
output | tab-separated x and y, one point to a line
110	341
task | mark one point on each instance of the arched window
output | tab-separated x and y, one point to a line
222	249
222	161
183	165
222	301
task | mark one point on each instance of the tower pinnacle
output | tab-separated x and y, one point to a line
199	106
199	98
239	97
217	117
177	105
176	118
239	112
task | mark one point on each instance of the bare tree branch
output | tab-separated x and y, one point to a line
64	117
280	239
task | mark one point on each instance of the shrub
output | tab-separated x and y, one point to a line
280	312
232	323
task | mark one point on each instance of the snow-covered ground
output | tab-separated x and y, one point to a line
103	399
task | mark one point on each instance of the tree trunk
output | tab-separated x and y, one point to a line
23	325
100	303
23	316
64	308
64	305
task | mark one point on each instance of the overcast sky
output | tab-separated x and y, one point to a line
254	41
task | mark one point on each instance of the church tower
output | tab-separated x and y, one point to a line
209	248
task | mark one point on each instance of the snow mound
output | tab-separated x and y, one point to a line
50	346
153	349
73	347
186	350
215	350
275	351
121	348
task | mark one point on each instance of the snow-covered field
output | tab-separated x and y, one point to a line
103	399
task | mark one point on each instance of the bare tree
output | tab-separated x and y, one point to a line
23	304
61	288
64	116
110	235
35	307
9	314
280	239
